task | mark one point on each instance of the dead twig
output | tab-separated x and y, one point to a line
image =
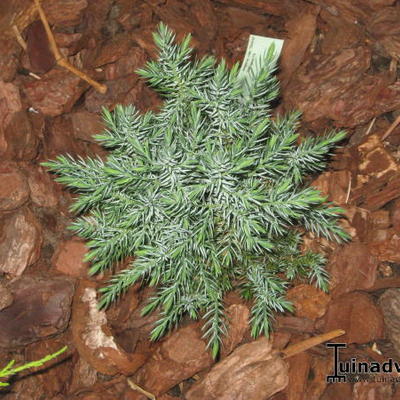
133	386
33	75
370	127
391	128
19	37
393	69
60	59
348	191
311	342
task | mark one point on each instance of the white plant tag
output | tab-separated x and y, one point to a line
256	51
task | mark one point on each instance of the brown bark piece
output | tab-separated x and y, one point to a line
309	302
253	371
352	267
390	305
93	338
41	59
21	240
301	29
299	368
357	314
41	308
179	357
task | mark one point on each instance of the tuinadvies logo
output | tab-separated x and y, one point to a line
354	371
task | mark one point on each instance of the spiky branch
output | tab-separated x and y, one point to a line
207	192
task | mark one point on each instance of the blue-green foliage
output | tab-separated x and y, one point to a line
207	194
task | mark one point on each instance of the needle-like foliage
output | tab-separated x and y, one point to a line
9	370
207	194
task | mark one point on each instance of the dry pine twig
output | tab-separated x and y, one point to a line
135	387
286	353
391	128
60	59
19	37
311	342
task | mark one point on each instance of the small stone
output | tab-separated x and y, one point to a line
308	301
113	50
41	59
21	242
352	267
238	317
179	357
68	258
65	13
59	139
127	64
253	371
390	305
41	308
45	191
9	58
14	189
6	297
21	142
55	93
117	90
357	315
10	102
301	31
86	125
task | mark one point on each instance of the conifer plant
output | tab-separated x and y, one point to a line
207	194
